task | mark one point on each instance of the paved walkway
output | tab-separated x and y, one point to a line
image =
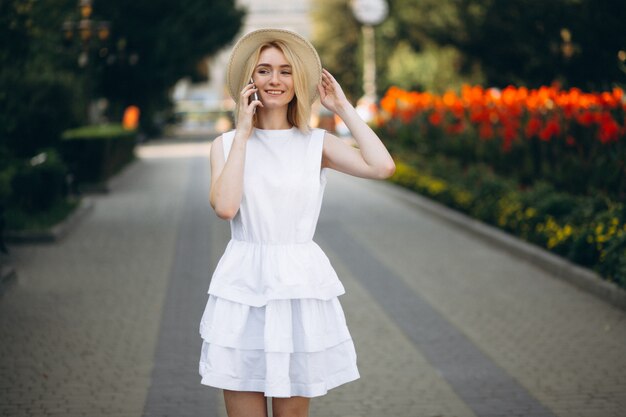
104	323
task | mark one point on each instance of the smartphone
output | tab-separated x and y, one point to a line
255	95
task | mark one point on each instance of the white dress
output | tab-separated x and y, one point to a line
273	323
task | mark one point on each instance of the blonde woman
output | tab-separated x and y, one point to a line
273	325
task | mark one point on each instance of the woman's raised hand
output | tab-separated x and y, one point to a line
331	94
247	109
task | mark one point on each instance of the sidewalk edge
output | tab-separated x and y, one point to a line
583	278
54	233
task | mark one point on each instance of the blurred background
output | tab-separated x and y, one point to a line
511	112
527	91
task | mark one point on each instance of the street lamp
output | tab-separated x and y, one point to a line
369	13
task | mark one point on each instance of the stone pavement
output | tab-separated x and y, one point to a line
104	323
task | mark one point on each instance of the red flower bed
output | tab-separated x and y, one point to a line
552	134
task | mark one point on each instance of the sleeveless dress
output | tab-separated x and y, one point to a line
273	322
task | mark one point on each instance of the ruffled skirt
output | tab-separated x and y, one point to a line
285	348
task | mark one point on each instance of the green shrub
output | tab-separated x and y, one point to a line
39	183
7	169
590	231
17	219
95	153
106	131
35	111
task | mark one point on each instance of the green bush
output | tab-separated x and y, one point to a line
17	220
590	231
39	183
36	109
95	153
7	169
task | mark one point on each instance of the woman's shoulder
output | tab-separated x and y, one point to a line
221	144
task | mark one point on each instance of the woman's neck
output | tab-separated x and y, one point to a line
273	119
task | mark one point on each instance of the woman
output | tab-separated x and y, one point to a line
273	326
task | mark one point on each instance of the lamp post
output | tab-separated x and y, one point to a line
369	13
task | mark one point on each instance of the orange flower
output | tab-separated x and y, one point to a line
435	118
586	118
551	130
533	127
550	112
485	131
609	129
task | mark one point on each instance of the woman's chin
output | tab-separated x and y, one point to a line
273	104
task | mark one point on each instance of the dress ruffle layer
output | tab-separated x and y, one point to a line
297	347
252	273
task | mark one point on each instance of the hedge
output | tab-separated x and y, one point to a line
590	231
95	153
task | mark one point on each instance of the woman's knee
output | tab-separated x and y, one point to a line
290	407
245	404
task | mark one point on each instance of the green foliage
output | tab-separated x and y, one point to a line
95	153
43	91
438	44
17	219
586	230
533	43
104	131
37	110
39	96
336	36
14	23
434	67
6	174
155	43
39	183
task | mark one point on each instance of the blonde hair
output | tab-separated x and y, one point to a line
299	109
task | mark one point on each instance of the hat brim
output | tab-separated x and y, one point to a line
248	44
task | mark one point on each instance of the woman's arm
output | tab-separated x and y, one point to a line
371	160
227	175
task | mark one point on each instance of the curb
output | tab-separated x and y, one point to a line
54	233
583	278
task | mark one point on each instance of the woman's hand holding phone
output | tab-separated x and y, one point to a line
255	95
248	103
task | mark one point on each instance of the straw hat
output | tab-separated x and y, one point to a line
248	44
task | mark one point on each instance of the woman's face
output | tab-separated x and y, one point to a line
274	78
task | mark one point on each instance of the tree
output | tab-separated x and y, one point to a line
439	44
407	52
39	95
155	43
336	35
533	43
